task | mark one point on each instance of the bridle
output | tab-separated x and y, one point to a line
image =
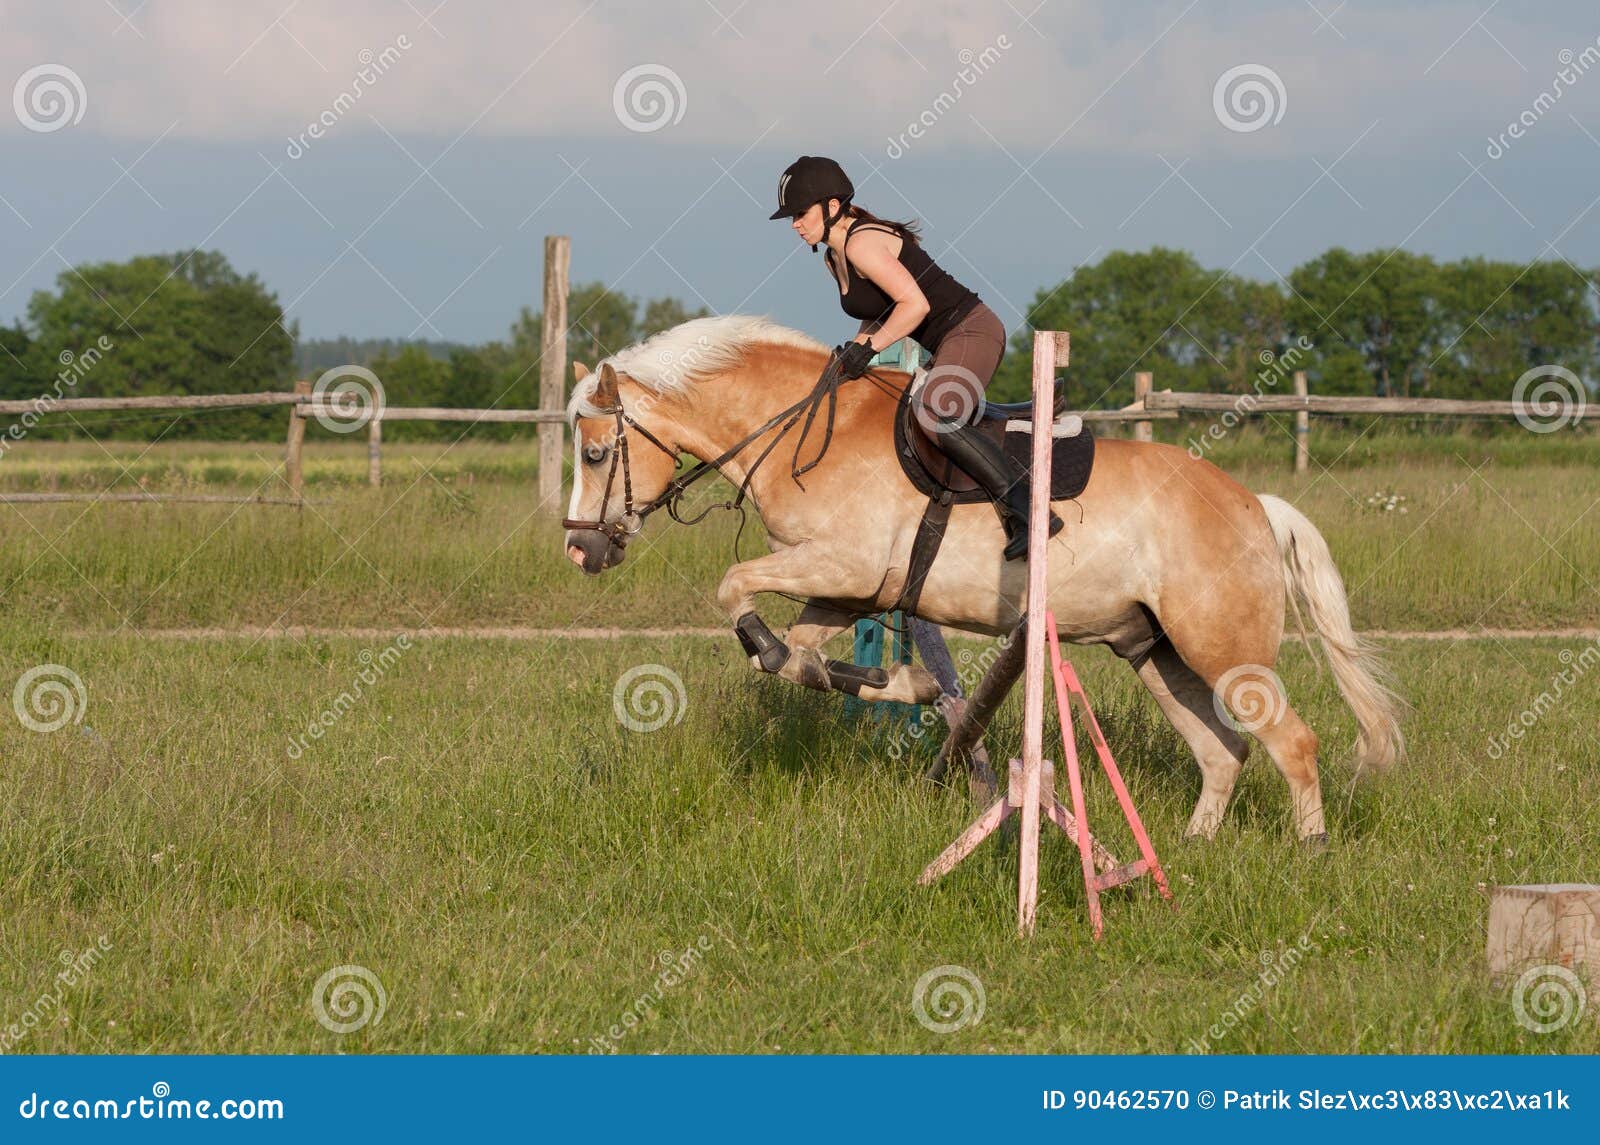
631	521
633	517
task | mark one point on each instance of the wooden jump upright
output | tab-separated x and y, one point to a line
1031	780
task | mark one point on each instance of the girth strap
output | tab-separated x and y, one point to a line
924	549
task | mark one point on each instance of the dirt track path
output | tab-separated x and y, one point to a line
302	632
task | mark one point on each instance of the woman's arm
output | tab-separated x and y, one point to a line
873	254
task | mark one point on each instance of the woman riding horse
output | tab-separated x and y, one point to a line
889	282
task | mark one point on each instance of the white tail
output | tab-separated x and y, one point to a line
1315	583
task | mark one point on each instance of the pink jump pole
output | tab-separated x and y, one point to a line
1067	682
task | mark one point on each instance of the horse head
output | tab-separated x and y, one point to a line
618	465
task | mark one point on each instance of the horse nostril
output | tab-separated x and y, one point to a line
575	555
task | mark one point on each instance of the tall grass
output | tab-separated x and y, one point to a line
479	830
481	833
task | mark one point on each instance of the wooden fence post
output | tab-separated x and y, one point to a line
375	452
1142	382
293	470
553	366
1302	427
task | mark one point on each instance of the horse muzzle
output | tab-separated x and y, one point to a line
593	551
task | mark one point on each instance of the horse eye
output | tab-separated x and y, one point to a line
594	453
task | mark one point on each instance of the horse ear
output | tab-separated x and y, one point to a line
605	393
579	371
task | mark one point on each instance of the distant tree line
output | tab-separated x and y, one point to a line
1385	322
183	323
188	323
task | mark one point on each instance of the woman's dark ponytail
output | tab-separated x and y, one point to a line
911	230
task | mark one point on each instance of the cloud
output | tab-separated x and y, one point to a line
835	74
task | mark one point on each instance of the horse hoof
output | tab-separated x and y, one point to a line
1193	840
1316	844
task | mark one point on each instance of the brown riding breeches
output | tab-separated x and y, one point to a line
963	365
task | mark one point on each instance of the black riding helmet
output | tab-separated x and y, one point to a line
813	179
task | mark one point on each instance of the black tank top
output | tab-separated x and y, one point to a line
948	301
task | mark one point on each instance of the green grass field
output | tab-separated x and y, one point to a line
475	827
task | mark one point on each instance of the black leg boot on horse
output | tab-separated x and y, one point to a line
1008	486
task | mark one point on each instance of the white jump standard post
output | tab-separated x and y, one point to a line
1031	786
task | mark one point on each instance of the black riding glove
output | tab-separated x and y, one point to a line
854	358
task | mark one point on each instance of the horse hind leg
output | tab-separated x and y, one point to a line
1186	701
1293	747
1251	691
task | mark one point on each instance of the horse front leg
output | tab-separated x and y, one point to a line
799	659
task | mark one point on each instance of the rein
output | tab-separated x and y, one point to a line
632	520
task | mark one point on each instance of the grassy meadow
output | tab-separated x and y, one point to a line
473	821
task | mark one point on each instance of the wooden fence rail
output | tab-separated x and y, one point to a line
1150	405
165	401
437	413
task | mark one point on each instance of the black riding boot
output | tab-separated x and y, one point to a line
986	462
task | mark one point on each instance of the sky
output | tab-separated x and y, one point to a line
1028	138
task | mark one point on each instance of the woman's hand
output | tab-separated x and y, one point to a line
854	358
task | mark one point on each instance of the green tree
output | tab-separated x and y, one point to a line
1374	320
1503	319
665	313
1155	310
18	378
601	322
412	377
183	323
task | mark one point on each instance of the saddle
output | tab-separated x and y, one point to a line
945	484
1011	423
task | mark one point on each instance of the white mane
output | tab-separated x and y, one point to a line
674	360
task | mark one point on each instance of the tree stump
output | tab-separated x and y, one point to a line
1555	924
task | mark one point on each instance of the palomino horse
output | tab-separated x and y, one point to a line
1166	559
